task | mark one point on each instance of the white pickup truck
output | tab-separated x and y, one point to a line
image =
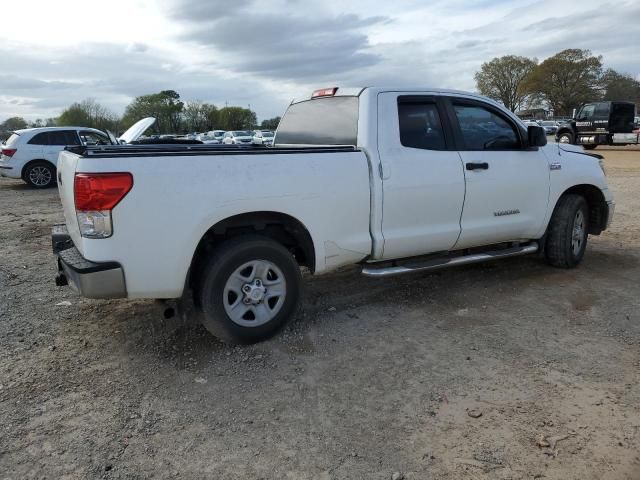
396	180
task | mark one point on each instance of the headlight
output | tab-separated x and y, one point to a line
604	170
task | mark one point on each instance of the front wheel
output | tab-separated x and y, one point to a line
568	232
565	137
249	289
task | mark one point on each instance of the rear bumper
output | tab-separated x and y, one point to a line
8	171
89	279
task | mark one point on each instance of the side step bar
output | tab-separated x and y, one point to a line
444	262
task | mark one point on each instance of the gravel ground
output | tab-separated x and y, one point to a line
509	370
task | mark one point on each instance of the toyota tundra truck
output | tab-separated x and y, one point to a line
394	180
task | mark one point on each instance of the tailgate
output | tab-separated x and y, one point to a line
67	163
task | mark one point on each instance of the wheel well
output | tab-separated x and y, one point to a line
282	228
597	206
564	130
31	162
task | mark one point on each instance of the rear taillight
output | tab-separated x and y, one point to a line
9	152
96	194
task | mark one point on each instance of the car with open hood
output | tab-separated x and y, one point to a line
31	154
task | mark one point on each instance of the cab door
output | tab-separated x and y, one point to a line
507	182
422	176
585	118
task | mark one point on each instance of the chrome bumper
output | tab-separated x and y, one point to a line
89	279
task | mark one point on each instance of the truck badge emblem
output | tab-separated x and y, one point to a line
502	213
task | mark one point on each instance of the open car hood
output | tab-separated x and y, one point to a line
136	130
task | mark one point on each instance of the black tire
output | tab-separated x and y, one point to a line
213	285
589	147
562	248
40	174
567	135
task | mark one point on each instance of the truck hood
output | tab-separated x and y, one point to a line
136	130
567	147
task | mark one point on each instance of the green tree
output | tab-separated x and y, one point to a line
236	118
566	80
199	116
619	86
270	123
13	123
165	106
88	113
503	79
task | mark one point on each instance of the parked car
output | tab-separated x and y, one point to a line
456	177
550	126
237	137
32	154
263	137
207	139
217	134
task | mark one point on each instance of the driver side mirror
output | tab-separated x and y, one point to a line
537	136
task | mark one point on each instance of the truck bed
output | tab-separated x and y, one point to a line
108	151
181	191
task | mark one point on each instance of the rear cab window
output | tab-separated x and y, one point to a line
320	121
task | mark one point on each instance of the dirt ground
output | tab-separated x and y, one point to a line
508	370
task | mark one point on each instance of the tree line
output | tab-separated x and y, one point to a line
558	84
172	116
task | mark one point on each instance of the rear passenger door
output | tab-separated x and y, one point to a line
36	146
58	140
507	182
422	176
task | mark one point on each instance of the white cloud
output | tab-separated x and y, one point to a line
263	53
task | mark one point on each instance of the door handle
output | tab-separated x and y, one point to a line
478	166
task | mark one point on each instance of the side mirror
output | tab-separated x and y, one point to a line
537	136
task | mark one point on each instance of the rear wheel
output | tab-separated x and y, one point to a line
589	147
249	289
40	174
567	233
565	137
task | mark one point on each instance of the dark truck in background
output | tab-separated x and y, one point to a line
601	123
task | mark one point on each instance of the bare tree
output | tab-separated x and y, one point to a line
503	79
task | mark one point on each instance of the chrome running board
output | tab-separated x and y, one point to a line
445	262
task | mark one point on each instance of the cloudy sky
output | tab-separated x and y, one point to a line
263	53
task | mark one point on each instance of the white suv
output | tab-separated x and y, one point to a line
32	154
237	137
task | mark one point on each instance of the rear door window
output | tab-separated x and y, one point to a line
58	138
420	126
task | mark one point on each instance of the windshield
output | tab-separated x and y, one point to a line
267	134
321	121
548	124
241	134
